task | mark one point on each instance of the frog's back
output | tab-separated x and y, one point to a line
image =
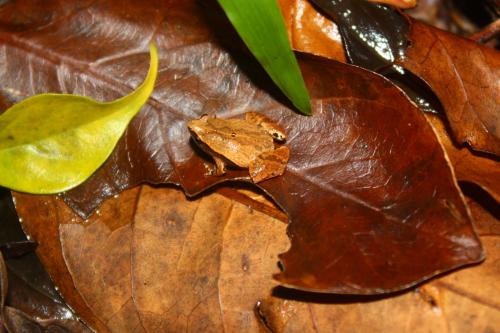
237	140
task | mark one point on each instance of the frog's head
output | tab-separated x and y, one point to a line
195	129
198	128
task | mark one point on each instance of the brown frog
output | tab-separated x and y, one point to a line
246	143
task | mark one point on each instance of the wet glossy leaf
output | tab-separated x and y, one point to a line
17	249
374	35
28	310
260	25
53	142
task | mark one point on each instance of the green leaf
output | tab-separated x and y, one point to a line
53	142
260	25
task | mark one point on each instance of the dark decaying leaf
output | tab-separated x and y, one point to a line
372	201
312	32
17	249
24	264
4	283
28	310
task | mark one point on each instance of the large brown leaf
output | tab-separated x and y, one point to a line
373	204
375	228
205	265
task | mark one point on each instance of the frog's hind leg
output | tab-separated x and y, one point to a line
269	164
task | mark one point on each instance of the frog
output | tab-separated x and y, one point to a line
251	143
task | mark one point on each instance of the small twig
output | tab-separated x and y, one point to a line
403	4
488	33
259	206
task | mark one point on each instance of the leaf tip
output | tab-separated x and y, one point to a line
304	106
153	68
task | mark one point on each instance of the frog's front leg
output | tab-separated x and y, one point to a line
220	166
269	164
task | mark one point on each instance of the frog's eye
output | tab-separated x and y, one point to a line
278	136
233	134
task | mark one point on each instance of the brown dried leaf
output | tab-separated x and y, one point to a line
255	198
204	265
364	232
44	225
468	166
373	204
310	31
465	76
175	265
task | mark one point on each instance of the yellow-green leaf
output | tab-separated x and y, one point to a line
260	24
53	142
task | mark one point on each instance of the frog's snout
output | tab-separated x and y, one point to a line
193	130
194	126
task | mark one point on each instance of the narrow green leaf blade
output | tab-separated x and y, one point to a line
53	142
260	25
